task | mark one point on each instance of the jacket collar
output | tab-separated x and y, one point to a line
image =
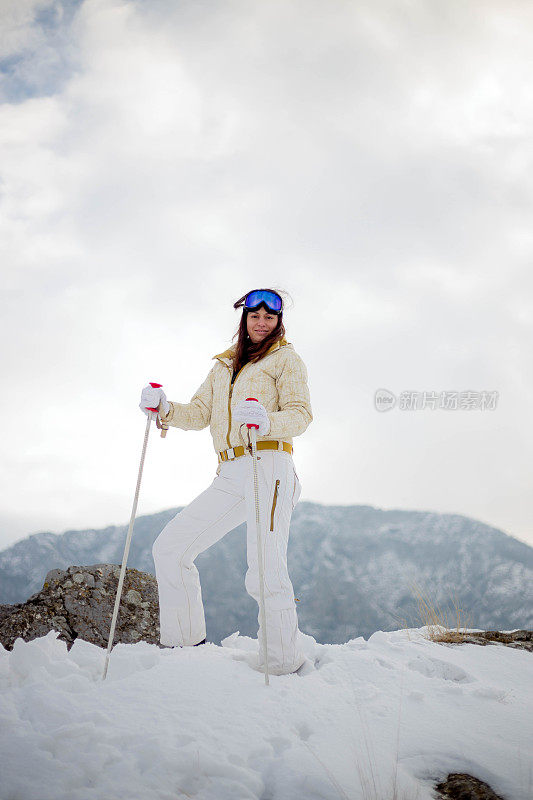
227	355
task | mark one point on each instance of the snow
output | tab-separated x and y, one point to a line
198	722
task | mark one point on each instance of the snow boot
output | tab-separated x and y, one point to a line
179	646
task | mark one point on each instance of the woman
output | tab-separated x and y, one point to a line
263	365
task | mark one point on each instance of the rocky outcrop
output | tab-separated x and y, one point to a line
521	639
79	601
461	786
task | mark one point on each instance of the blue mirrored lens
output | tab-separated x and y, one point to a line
258	296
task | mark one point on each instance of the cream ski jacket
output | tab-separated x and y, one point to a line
278	381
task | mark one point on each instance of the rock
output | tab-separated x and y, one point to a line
520	639
134	598
53	575
461	786
79	601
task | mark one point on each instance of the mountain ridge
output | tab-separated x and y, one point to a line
353	568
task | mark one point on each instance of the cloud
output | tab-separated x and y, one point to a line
160	159
35	54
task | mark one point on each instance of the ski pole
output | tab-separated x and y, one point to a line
130	530
253	435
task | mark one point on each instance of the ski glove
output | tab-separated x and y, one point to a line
151	398
251	411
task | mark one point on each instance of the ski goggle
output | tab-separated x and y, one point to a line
272	300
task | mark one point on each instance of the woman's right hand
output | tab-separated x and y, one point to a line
151	398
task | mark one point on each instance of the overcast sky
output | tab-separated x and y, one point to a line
158	159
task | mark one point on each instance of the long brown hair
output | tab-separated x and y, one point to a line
246	349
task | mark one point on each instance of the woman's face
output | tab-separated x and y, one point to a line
260	323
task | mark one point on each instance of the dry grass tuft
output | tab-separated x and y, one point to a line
430	616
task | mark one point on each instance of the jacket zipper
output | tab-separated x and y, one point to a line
274	506
231	385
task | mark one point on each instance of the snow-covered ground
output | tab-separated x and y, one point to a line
199	722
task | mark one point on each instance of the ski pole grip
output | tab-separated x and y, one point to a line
164	428
251	424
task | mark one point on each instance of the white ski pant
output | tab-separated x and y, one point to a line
228	502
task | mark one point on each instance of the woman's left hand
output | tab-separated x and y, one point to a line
250	411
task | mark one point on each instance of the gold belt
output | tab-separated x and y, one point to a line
235	452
